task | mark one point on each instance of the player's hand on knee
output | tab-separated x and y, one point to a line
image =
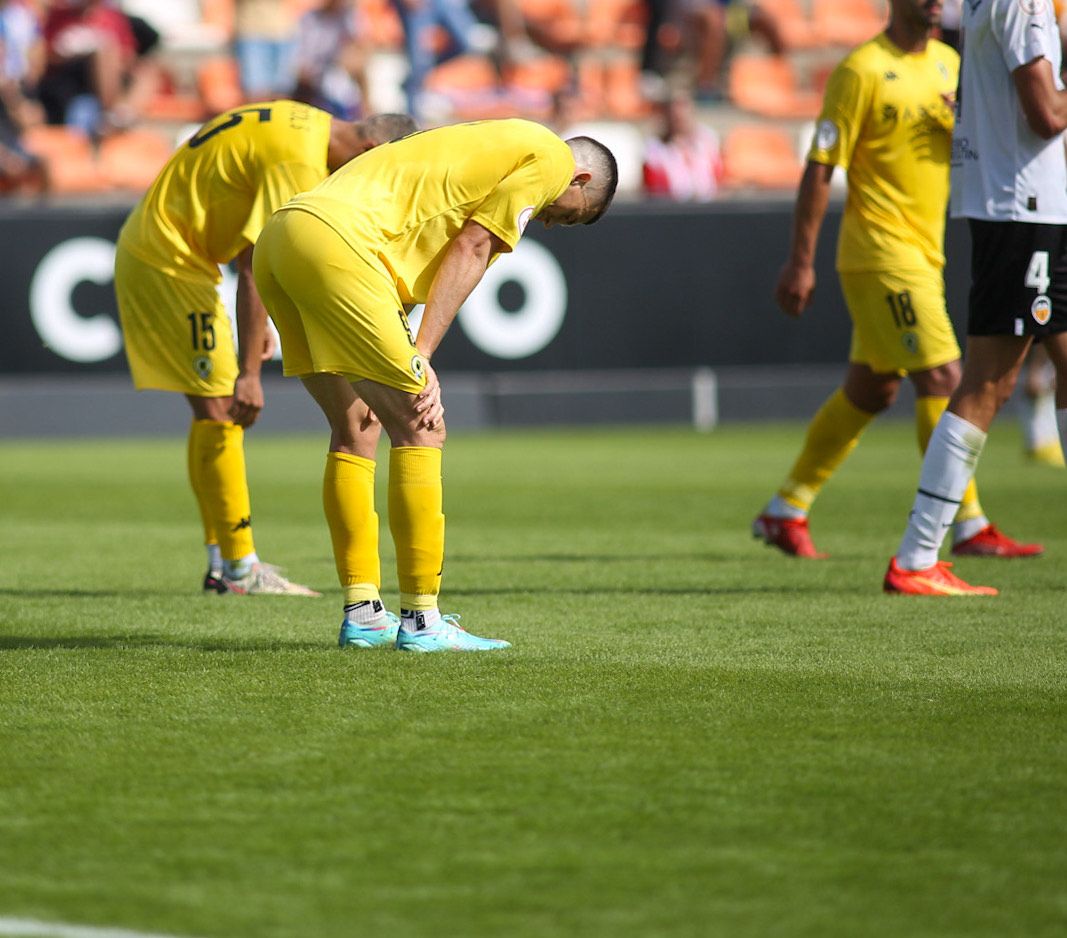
428	403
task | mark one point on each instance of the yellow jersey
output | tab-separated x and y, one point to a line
403	202
885	122
217	191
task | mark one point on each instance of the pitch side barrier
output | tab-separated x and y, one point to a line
658	313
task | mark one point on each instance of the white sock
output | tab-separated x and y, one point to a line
965	530
214	559
947	468
365	613
418	620
1039	421
778	507
235	569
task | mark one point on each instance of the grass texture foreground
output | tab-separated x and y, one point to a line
693	734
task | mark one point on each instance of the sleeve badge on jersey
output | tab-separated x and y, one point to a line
826	135
524	218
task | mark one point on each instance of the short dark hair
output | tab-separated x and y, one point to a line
383	128
592	155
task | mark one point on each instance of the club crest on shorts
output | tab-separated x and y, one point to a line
203	366
418	366
910	341
1041	310
1032	7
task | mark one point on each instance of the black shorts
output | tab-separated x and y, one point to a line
1018	278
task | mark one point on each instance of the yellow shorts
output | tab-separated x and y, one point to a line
899	320
177	334
337	311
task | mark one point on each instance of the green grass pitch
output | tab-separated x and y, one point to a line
693	735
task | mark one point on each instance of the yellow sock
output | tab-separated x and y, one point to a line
193	459
217	471
417	523
348	498
832	434
928	411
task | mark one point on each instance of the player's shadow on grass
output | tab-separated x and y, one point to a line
83	642
652	589
68	594
583	558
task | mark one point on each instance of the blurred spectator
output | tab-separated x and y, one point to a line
575	116
97	70
951	13
426	23
713	25
684	161
331	60
21	58
263	43
657	14
516	40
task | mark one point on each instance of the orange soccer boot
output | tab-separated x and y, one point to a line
938	580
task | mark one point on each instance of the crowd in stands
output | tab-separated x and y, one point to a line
701	96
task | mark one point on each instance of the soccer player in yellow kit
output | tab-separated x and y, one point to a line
416	221
887	120
205	209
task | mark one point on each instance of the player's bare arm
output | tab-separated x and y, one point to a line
463	267
1044	105
255	344
796	281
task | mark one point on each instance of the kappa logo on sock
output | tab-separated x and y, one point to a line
242	524
420	621
377	606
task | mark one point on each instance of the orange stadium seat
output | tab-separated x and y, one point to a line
554	24
69	158
799	29
382	24
219	84
220	14
760	156
133	159
548	73
623	91
614	23
849	22
767	85
465	73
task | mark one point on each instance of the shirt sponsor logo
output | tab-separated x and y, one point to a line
524	218
826	135
962	150
1041	310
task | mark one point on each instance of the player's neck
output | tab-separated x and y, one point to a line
345	142
908	37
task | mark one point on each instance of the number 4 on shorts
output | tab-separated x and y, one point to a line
1037	273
